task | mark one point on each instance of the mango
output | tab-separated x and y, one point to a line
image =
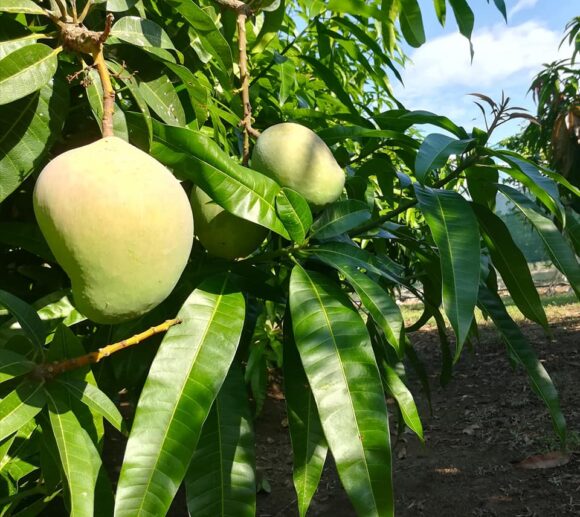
119	224
297	158
221	233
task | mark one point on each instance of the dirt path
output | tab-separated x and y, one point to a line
483	423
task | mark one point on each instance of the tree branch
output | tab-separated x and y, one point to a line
235	5
50	370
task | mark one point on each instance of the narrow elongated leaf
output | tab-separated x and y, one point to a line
184	379
221	480
411	22
20	406
79	458
481	182
309	446
366	9
141	32
456	234
160	95
463	16
21	6
26	316
287	74
31	125
340	217
340	133
511	264
521	349
272	23
13	365
97	401
383	309
573	228
435	151
556	245
295	214
338	359
116	6
500	4
26	236
404	399
26	70
440	10
241	191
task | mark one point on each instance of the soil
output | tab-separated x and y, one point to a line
483	424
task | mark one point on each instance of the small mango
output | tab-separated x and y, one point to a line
298	158
119	224
221	233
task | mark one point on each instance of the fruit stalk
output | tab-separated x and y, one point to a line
108	92
48	371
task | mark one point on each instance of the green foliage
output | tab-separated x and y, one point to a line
315	302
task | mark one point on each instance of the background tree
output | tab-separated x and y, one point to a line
191	82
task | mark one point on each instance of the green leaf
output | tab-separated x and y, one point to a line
355	7
184	379
26	236
519	347
31	125
481	182
463	16
500	4
573	228
20	406
456	234
441	10
13	365
241	191
426	117
160	95
435	151
295	214
141	32
9	46
221	480
287	74
558	248
340	133
269	30
26	70
411	23
97	402
26	316
340	217
309	448
117	6
511	264
198	88
78	455
404	399
338	359
383	309
21	6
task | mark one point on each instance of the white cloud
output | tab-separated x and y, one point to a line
521	5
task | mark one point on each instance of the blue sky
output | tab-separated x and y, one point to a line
507	57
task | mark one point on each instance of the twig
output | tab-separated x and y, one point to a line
50	370
86	10
62	9
235	5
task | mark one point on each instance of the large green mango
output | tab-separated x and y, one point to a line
221	233
297	158
119	224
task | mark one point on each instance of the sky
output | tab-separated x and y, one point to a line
507	57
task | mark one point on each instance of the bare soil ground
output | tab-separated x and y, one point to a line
483	424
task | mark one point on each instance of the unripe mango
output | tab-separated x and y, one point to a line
119	224
297	158
221	233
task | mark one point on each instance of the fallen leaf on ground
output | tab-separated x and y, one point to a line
544	461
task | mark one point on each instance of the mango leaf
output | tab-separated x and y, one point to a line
26	236
440	10
198	88
31	125
221	480
13	365
340	217
160	95
456	234
21	6
9	46
26	70
556	245
338	359
272	23
426	117
241	191
141	32
295	214
435	151
96	400
404	399
340	133
481	182
500	4
573	228
184	379
463	16
26	316
309	446
519	348
117	6
20	406
383	309
287	74
79	458
511	264
366	9
411	22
